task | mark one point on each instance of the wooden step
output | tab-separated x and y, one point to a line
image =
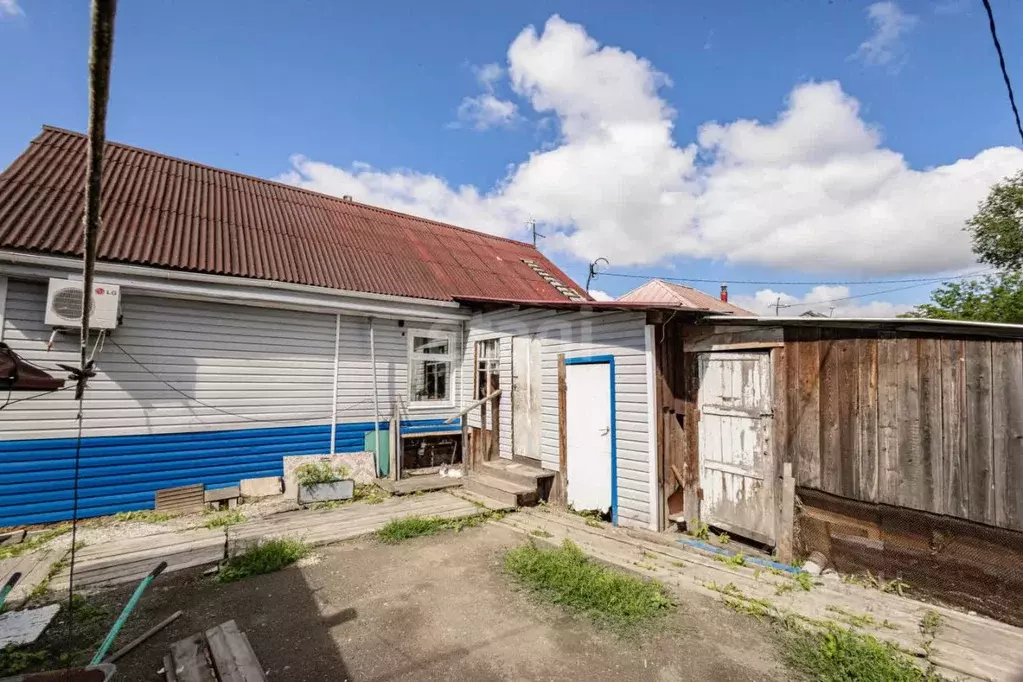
516	473
505	492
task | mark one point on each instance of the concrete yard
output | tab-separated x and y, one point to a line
439	607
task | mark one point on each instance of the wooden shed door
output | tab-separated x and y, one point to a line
736	457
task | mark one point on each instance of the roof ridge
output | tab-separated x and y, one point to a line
299	189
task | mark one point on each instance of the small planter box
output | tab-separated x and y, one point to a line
326	492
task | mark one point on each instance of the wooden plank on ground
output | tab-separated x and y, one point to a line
189	656
929	355
866	392
830	448
907	486
1007	429
232	655
979	438
888	419
182	500
953	428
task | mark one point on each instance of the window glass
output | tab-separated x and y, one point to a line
430	367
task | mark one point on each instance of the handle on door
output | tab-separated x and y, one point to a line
605	431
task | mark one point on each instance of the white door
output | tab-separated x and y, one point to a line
588	432
526	396
736	458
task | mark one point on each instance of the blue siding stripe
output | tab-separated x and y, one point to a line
122	473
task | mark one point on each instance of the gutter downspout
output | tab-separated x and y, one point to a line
376	403
333	388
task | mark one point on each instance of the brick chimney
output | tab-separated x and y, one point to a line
724	292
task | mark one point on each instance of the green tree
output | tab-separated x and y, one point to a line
997	229
997	234
995	298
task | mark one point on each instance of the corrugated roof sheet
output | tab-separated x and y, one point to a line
659	291
166	212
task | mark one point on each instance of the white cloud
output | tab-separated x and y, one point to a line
488	75
814	189
10	8
884	47
599	295
825	300
487	111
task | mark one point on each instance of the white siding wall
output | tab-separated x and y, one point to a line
580	334
268	367
215	393
355	376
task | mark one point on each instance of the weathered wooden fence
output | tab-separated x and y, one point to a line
927	422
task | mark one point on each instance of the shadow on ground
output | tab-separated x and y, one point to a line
434	608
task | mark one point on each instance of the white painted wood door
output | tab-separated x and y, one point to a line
588	433
736	456
526	396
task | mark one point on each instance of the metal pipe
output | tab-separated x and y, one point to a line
333	386
119	623
376	402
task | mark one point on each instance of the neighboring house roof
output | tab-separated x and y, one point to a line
165	212
659	291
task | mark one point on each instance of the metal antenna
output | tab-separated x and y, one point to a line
532	226
593	272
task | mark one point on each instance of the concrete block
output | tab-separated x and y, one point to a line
268	486
221	494
361	464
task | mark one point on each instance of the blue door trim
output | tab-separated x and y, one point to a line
608	360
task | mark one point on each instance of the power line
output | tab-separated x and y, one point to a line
1001	63
849	298
918	280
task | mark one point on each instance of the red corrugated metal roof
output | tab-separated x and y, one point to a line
165	212
659	291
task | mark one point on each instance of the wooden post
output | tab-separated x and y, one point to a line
560	493
495	415
788	508
465	446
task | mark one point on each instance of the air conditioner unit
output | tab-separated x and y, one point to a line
64	304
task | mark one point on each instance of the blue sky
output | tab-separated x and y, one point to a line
875	100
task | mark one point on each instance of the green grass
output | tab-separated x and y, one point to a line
266	557
700	531
541	533
565	576
312	473
399	530
735	560
144	516
224	519
50	651
837	654
35	542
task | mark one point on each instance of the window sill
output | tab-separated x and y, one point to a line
439	405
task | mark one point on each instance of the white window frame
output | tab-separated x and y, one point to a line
449	357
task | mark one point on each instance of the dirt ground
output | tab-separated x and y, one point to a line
434	608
